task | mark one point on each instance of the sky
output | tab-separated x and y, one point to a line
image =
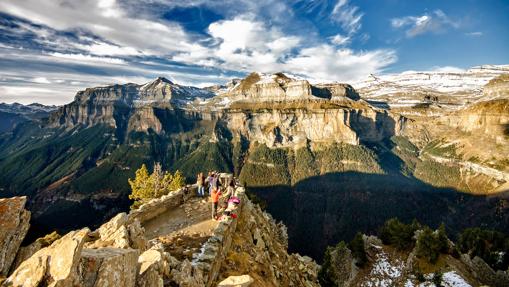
51	49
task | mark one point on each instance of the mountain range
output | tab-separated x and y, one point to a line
328	159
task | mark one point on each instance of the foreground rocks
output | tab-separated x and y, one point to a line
108	267
14	224
55	265
236	281
27	251
118	254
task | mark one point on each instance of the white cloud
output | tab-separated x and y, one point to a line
348	16
339	40
434	22
474	34
41	80
326	63
88	58
106	19
105	49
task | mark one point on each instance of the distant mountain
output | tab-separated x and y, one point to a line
448	89
13	114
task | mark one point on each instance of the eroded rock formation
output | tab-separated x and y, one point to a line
14	224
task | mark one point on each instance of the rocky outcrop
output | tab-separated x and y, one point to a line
55	265
119	233
108	267
26	252
116	253
259	249
155	265
236	281
14	224
484	273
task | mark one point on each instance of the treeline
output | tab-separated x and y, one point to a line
428	244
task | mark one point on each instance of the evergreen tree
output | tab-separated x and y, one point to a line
157	184
357	248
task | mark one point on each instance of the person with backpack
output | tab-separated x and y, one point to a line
214	198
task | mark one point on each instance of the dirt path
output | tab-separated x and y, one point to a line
183	230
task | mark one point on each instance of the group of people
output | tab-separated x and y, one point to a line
221	191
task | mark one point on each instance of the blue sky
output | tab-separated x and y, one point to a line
50	49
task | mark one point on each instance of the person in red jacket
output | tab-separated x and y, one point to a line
214	197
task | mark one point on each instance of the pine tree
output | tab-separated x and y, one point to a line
142	184
157	184
178	181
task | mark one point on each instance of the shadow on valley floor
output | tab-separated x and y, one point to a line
323	210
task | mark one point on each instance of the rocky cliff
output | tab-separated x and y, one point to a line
114	105
250	249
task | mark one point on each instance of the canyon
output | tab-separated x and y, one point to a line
327	159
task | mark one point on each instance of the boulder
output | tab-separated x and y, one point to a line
55	265
154	266
108	267
119	233
14	224
236	281
26	252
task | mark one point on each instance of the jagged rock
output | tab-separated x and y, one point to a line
14	224
186	276
237	281
484	273
119	234
26	252
154	266
108	267
55	265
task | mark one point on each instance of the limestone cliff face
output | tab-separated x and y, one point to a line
497	87
279	87
490	118
114	105
294	127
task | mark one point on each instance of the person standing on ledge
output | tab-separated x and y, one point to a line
200	181
214	197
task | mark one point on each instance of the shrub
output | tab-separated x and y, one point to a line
430	244
334	267
145	186
357	248
396	233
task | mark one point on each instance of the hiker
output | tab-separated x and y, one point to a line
208	181
212	182
214	197
200	181
230	190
